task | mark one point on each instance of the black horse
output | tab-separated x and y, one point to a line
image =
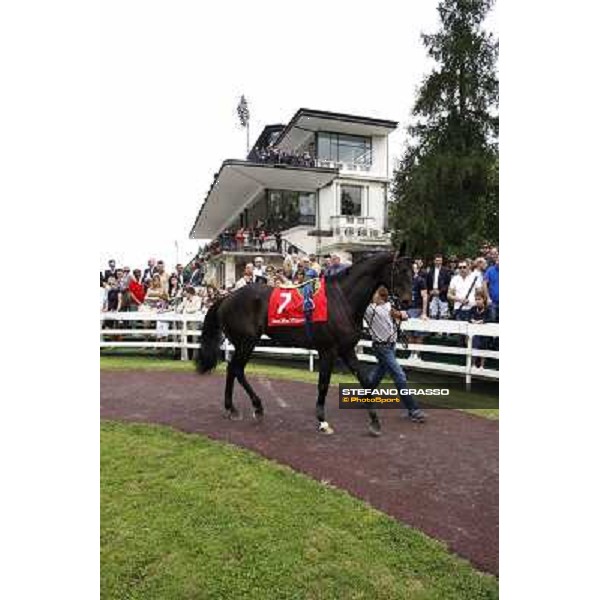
242	316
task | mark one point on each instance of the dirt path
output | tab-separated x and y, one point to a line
441	478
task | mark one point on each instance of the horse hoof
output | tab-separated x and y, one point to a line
233	415
258	416
375	430
325	428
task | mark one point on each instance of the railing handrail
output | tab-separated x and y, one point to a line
469	330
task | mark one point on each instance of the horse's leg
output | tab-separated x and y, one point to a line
231	412
326	360
351	360
246	349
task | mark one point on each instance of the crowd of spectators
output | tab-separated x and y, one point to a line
154	289
276	156
296	269
185	290
447	288
463	290
257	238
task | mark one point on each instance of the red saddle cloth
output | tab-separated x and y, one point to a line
286	306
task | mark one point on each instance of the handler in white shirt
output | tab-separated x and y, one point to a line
462	291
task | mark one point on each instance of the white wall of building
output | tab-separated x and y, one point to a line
298	236
377	203
380	159
326	207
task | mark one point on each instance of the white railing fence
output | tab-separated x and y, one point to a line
180	331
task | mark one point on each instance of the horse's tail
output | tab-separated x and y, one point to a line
210	340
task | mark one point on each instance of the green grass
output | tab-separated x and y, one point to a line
187	517
288	373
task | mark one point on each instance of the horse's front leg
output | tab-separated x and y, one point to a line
326	360
349	357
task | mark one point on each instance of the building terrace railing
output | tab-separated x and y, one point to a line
356	228
306	159
269	246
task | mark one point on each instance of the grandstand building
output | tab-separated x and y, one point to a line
320	181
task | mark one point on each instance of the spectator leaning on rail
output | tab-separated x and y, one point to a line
113	295
336	265
418	304
479	266
462	291
175	290
380	318
491	280
191	304
479	314
137	291
438	280
156	297
314	264
197	276
259	273
149	271
246	278
179	273
164	276
111	271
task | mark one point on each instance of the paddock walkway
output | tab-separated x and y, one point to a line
441	478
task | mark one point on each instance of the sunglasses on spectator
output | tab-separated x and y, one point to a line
462	266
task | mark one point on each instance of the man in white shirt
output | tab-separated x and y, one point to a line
246	278
380	317
462	291
259	273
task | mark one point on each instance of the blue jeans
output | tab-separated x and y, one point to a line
386	361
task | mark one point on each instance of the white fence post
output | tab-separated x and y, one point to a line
469	359
183	331
311	361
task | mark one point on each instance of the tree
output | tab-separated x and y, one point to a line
445	188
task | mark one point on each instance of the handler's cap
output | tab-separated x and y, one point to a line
258	259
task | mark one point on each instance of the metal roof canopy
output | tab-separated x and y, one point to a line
307	120
238	183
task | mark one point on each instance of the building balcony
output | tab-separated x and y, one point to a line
362	163
357	229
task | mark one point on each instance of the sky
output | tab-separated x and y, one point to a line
171	75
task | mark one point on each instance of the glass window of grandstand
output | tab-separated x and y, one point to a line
289	209
348	149
351	200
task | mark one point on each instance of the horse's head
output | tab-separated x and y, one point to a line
398	276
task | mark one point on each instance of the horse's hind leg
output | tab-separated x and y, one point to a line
231	412
240	359
351	360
